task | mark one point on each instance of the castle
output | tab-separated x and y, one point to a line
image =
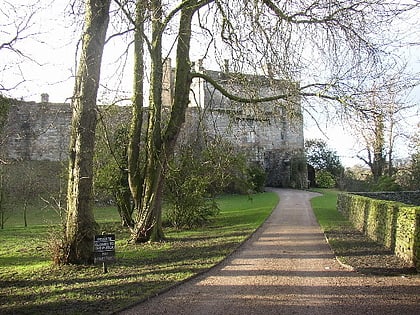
270	133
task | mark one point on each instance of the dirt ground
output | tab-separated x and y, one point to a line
287	267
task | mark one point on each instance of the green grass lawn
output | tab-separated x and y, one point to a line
325	209
29	284
351	246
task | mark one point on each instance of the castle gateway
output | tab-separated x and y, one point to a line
270	133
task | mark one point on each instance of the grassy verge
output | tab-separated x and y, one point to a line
326	211
30	285
350	246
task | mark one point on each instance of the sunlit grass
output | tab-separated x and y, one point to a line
29	284
325	209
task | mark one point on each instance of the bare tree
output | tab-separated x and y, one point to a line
379	126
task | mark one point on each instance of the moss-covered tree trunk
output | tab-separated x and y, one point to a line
378	163
160	141
80	224
146	222
135	165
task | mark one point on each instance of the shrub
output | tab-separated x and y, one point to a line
257	177
324	179
190	204
200	171
385	183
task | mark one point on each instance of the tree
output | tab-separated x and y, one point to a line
322	158
255	34
111	172
200	170
146	181
325	179
80	225
375	146
378	126
413	172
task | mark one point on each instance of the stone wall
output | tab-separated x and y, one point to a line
41	131
36	131
271	133
408	197
395	225
285	164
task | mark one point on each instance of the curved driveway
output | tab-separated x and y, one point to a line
286	267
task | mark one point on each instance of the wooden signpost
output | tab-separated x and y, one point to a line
104	249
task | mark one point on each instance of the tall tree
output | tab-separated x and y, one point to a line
267	37
160	141
80	224
378	126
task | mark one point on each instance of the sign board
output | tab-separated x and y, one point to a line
104	248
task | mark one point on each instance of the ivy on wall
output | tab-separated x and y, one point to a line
4	111
392	224
298	174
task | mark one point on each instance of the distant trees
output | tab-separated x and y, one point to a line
415	161
408	175
25	185
379	126
414	171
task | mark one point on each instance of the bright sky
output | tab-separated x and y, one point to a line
50	68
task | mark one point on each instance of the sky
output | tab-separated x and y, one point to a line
50	60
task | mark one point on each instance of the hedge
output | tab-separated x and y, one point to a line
392	224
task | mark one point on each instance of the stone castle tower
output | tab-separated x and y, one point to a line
271	132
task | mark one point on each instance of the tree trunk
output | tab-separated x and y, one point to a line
135	168
124	207
25	212
148	226
2	206
378	164
80	225
160	147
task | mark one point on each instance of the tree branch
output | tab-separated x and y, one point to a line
248	100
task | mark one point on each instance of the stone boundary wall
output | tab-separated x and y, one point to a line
41	131
393	224
408	197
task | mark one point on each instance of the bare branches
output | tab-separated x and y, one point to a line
17	26
292	91
309	38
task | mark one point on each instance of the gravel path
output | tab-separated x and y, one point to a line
287	268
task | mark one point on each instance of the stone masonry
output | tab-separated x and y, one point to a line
271	133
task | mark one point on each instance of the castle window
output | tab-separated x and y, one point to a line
251	136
